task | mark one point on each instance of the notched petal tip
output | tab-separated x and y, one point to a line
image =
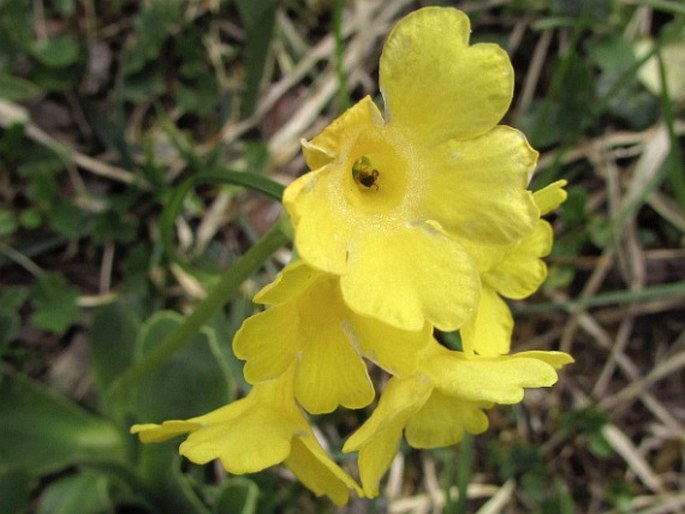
437	85
315	156
550	197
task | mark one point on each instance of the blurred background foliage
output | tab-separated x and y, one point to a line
121	125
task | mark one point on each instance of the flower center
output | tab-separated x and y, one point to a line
365	174
379	173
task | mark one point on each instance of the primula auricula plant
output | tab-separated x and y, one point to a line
413	219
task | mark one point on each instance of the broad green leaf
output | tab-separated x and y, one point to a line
85	493
113	334
17	89
54	301
193	381
169	490
15	487
58	52
45	432
611	52
238	496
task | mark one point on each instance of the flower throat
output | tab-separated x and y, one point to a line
365	174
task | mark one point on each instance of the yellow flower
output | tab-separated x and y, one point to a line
515	272
442	401
310	325
391	198
263	429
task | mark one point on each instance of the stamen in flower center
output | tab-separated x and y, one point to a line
364	173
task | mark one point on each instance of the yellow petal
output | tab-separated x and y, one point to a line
410	276
401	398
491	379
329	207
375	459
378	439
443	420
310	329
338	137
154	433
315	156
550	197
488	332
438	86
555	359
522	272
295	278
258	439
251	434
318	210
392	349
259	336
331	373
315	469
477	187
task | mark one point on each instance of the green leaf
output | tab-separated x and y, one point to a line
66	219
193	381
54	301
259	20
611	52
143	85
45	432
11	299
170	490
8	223
238	496
85	493
153	26
17	21
11	140
30	218
110	128
58	52
9	324
113	335
596	10
15	487
17	89
199	97
66	8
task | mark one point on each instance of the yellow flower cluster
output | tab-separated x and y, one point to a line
410	221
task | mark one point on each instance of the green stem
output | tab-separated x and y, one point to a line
173	205
229	282
464	473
